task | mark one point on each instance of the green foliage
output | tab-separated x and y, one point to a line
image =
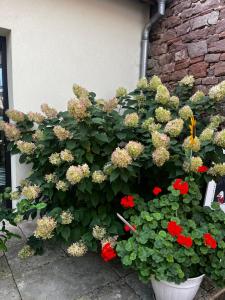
153	251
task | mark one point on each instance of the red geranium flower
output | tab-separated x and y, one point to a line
174	229
209	241
202	169
127	228
185	241
127	202
157	190
108	253
181	185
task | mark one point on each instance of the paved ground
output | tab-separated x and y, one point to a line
57	276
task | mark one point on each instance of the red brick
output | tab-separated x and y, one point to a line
220	26
196	35
178	75
197	59
199	69
222	56
182	65
220	69
183	28
168	68
157	49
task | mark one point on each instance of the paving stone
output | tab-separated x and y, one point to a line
51	254
144	291
65	279
8	289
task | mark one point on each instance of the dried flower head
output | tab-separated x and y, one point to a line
110	105
162	95
36	117
217	92
174	102
98	232
131	120
31	192
160	156
66	155
98	177
154	83
188	80
79	109
198	96
80	92
174	127
45	228
160	140
162	115
147	122
134	149
77	249
185	112
62	186
61	133
25	147
50	112
67	217
55	159
121	158
15	115
154	127
217	170
26	252
206	135
121	92
195	146
76	173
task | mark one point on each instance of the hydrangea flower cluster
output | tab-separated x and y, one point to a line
80	92
121	158
51	178
131	120
31	192
98	232
61	133
195	146
198	96
36	117
77	249
66	155
121	92
134	149
55	159
160	156
98	177
217	170
26	252
76	173
142	83
217	92
160	140
62	186
174	127
162	95
110	105
50	112
174	102
186	112
79	108
219	139
67	217
38	135
188	80
11	132
15	115
206	135
25	147
154	83
162	115
45	228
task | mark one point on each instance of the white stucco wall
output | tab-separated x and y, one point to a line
54	43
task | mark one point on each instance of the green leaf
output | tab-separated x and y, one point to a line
98	121
40	205
65	232
102	137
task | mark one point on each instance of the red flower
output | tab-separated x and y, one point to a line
157	190
108	253
127	228
185	241
127	202
174	229
202	169
209	241
181	185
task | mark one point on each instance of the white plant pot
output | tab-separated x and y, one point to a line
170	291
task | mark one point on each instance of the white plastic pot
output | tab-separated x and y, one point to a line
170	291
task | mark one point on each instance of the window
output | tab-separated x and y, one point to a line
5	166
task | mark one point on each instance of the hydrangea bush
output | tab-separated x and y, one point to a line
86	158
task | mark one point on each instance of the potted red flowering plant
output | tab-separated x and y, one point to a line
175	240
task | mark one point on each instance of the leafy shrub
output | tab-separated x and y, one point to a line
86	158
176	238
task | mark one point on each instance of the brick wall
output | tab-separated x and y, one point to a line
190	39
